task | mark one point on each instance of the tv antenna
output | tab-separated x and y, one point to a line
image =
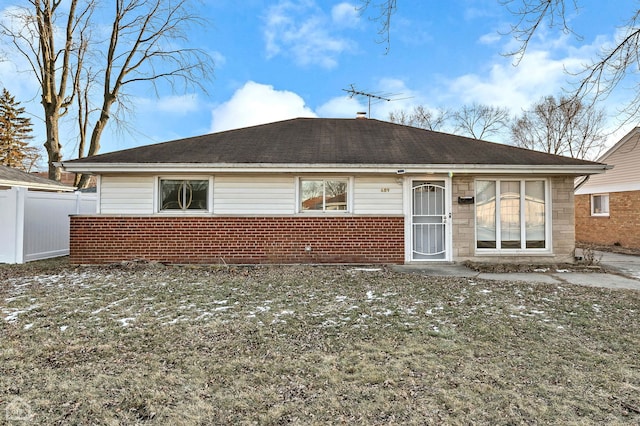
353	92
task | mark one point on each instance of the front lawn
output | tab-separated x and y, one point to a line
147	344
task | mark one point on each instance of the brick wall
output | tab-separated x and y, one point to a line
107	239
622	226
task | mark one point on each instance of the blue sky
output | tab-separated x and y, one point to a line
281	59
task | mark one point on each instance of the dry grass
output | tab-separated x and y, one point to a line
310	345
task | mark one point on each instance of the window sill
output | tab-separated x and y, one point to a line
514	253
184	213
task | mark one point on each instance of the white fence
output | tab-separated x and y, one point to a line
35	225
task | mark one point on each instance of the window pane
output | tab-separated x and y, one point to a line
184	194
510	214
428	198
597	204
600	204
170	194
534	214
335	195
196	194
312	194
486	214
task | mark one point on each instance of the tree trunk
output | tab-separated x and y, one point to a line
52	145
94	145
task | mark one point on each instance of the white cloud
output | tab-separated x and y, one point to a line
219	60
256	103
178	105
345	14
541	72
301	30
341	107
490	38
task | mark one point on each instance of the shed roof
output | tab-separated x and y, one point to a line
14	177
329	141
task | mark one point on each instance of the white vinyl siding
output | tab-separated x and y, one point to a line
254	195
250	195
126	194
625	175
377	195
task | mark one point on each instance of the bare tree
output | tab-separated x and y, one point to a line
422	117
481	121
141	46
385	9
563	127
616	61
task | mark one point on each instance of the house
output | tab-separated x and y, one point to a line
315	190
10	177
608	206
34	216
67	178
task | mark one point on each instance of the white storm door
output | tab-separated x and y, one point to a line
429	220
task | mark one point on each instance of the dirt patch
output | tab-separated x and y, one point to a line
611	249
530	267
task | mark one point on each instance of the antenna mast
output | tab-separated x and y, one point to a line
353	92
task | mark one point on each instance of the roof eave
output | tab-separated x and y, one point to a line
99	168
40	186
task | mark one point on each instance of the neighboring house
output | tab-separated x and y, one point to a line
34	216
10	177
313	190
608	205
68	179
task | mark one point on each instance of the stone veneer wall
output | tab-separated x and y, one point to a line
563	224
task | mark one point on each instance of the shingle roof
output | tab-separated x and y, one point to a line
14	177
330	141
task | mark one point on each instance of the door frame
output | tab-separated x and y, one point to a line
408	216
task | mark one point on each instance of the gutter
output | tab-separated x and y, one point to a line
30	185
97	168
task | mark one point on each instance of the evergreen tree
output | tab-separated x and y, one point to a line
15	134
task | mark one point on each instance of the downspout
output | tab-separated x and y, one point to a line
586	178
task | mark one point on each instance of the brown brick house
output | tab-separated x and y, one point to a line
313	190
608	205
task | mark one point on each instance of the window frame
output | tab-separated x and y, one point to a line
600	214
324	178
157	194
547	249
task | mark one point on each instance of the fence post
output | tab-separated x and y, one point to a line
78	201
19	235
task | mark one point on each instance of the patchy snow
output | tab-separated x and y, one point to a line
126	321
13	315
